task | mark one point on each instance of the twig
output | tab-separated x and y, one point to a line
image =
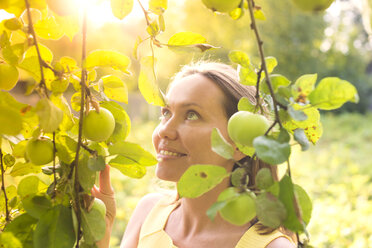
144	12
32	31
263	62
81	119
7	216
54	164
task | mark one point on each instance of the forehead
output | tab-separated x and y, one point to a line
197	89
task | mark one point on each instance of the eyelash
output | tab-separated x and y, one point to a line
165	111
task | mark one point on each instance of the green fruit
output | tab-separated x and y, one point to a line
243	127
99	206
240	209
221	5
39	151
10	121
8	76
98	126
264	180
313	5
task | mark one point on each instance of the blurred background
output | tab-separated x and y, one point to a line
337	172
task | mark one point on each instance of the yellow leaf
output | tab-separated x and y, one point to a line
107	58
48	28
115	89
121	8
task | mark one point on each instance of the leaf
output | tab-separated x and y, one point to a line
55	229
29	186
240	58
247	75
8	240
304	202
21	169
303	86
286	196
36	205
271	151
61	103
296	115
158	6
11	192
236	13
115	89
188	41
93	224
245	104
96	163
10	121
276	80
217	206
300	136
121	8
128	167
271	63
107	58
259	15
50	116
17	7
134	152
122	121
220	145
264	180
153	29
147	82
238	177
87	177
48	28
69	25
270	211
332	93
199	179
13	24
23	227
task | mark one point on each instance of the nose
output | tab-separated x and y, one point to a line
168	130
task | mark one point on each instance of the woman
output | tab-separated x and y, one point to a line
200	98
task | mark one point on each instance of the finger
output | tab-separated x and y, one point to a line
104	181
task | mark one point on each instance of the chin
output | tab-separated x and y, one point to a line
166	174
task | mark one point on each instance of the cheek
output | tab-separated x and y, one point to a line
155	137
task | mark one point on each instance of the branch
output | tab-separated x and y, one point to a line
7	216
263	62
41	61
54	164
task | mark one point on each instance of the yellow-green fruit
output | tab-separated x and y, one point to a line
99	206
238	211
10	121
98	126
8	76
222	5
313	5
243	127
39	151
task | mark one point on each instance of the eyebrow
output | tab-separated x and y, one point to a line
186	104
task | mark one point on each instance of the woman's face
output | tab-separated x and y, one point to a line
194	106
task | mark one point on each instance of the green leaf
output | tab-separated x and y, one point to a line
29	186
286	196
240	58
128	167
121	8
259	15
13	24
69	25
271	63
61	103
133	152
96	163
23	227
10	121
247	150
158	6
21	169
11	192
122	121
199	179
236	13
297	115
271	151
270	211
245	104
247	75
303	86
264	180
50	116
107	58
147	82
238	177
87	177
93	224
36	205
332	93
55	229
276	80
17	7
153	29
300	136
304	202
48	28
114	88
283	136
188	41
8	240
217	206
220	145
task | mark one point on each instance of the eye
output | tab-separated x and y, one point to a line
192	115
165	113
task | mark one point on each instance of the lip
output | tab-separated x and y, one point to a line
162	156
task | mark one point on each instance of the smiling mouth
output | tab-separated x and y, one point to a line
169	154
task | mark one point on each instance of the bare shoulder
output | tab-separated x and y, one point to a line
132	231
280	242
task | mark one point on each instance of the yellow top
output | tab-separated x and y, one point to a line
153	235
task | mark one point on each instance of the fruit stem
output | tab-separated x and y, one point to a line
263	62
7	216
41	61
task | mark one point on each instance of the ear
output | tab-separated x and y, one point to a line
238	155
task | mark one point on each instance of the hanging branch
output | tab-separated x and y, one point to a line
263	62
31	30
77	186
7	215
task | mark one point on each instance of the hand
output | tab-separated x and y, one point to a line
106	194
